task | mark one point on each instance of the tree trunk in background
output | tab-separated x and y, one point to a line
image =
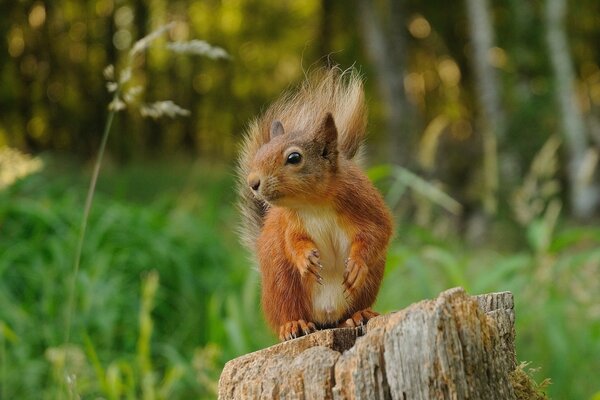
584	191
386	46
325	31
492	118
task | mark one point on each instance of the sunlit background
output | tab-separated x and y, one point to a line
483	137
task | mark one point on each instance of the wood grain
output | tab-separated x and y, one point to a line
453	347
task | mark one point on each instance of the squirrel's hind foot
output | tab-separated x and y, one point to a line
295	329
359	318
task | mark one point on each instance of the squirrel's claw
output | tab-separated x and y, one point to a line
307	327
312	269
312	264
313	257
294	329
359	318
355	276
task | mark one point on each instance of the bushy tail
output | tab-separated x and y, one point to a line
332	90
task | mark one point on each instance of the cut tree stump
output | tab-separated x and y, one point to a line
453	347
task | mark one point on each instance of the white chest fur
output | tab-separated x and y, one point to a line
333	243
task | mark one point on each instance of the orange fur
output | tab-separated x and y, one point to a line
285	293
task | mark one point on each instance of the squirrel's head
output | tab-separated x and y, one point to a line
295	167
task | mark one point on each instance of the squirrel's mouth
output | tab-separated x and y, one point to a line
270	197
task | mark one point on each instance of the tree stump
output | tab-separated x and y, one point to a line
453	347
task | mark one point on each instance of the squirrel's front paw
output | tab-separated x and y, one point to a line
354	275
294	329
311	263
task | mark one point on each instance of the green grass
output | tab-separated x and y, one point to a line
165	295
184	238
557	296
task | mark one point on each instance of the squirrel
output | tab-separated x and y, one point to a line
318	227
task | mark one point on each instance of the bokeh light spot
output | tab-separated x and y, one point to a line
36	127
497	57
123	16
419	27
37	15
449	72
122	39
16	43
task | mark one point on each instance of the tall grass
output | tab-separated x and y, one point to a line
65	358
166	296
551	266
178	244
125	94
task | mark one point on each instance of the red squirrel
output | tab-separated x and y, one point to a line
318	226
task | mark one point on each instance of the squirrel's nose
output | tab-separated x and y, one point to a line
254	181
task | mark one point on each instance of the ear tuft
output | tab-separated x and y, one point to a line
276	128
328	130
327	135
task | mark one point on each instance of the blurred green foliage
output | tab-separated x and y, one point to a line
53	95
184	239
165	296
53	90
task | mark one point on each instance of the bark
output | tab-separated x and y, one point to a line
455	346
491	118
584	191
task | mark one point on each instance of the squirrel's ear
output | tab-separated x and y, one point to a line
276	128
328	131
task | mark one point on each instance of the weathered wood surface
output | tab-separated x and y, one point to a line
453	347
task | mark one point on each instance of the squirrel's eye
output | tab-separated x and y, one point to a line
294	158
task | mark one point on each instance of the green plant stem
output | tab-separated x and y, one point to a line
3	362
86	213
